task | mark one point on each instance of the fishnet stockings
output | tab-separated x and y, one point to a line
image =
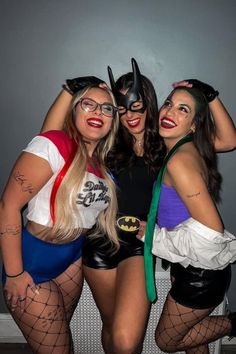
182	328
45	320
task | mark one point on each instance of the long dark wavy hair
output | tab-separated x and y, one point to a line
203	139
122	154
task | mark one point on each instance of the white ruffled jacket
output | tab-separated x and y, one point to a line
192	243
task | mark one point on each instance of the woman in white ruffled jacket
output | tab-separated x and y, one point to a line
189	232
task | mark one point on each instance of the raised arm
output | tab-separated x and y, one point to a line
56	114
225	138
28	176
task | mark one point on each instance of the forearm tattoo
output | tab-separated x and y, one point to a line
14	230
22	181
193	195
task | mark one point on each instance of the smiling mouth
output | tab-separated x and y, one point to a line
167	123
95	122
133	122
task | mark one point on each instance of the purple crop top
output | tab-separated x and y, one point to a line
171	210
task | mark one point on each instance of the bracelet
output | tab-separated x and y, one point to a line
14	276
67	89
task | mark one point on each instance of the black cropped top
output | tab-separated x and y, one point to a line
135	185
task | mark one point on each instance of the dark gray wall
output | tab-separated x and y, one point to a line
44	42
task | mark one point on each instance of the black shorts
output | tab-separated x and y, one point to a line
97	253
199	288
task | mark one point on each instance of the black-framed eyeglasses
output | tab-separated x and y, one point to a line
89	105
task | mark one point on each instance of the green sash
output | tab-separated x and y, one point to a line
149	261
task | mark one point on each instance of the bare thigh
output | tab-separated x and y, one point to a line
132	307
121	298
102	283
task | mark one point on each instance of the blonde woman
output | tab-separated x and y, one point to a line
62	177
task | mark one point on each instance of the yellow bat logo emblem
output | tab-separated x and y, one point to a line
128	223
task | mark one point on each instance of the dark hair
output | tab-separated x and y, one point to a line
203	139
123	154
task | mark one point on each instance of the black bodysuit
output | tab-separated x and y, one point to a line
134	193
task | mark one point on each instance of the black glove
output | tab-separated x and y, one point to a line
209	92
74	85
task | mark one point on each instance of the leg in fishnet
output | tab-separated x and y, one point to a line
202	349
71	283
45	321
183	328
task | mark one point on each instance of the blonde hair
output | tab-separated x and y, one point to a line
65	204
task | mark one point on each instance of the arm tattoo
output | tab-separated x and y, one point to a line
22	181
14	230
193	195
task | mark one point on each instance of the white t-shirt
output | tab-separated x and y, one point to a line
92	198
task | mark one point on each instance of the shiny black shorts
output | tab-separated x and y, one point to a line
98	254
199	288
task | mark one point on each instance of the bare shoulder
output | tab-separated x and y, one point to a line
185	165
182	160
188	175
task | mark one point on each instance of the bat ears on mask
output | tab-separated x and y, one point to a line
136	90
